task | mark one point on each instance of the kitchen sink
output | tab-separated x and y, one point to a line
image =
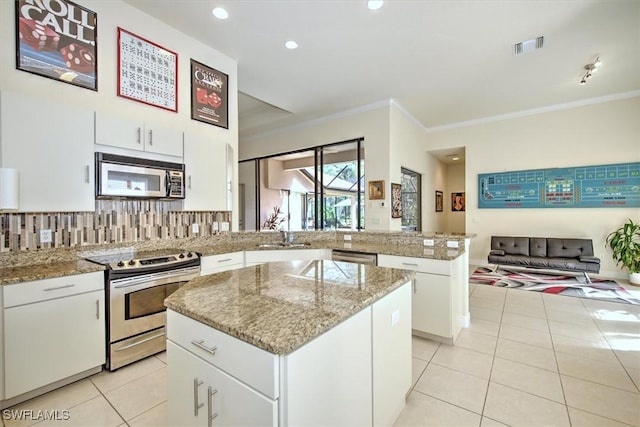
283	245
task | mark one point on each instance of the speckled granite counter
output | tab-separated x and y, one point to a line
281	306
50	270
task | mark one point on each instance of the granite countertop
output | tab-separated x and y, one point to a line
281	306
47	271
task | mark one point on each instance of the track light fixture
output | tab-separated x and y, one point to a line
590	68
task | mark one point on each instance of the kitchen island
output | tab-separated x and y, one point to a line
290	343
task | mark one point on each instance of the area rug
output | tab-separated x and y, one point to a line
550	283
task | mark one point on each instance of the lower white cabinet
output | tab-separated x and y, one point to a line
438	295
355	374
223	262
55	330
260	257
199	394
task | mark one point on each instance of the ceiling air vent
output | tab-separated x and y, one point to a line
528	46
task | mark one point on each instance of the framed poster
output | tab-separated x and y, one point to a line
396	200
457	202
147	72
439	201
376	190
209	95
57	40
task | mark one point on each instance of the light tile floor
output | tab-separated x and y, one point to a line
527	359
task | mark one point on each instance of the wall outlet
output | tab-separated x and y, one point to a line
428	242
452	244
45	236
347	237
195	228
395	317
214	227
224	226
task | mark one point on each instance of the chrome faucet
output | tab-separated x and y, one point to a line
285	236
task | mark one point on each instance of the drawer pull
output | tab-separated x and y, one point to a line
55	288
200	345
126	347
196	406
408	263
212	415
225	260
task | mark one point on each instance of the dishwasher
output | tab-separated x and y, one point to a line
354	256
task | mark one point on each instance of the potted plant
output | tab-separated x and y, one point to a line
625	247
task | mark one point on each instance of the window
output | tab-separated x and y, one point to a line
411	200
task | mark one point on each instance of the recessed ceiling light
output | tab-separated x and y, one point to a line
220	13
374	4
291	45
455	158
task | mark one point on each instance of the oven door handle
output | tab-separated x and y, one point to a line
134	281
126	347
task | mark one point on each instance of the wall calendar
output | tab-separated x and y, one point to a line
603	186
147	72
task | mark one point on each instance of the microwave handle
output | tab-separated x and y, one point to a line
167	184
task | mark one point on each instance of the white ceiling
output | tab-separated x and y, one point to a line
444	62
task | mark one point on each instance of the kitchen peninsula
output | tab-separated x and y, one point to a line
291	343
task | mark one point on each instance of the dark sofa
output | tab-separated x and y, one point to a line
545	252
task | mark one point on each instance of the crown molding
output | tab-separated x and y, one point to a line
535	111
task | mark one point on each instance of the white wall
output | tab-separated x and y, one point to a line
603	133
112	14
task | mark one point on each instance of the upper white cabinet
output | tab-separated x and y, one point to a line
206	165
50	144
134	134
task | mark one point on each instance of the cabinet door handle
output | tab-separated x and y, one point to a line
55	288
414	285
189	182
150	136
212	415
87	177
196	406
98	309
199	344
139	135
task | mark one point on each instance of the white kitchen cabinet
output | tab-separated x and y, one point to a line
391	343
223	262
357	373
50	144
206	167
200	394
53	329
134	134
438	299
260	257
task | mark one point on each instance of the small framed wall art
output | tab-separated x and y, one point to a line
209	95
376	190
439	201
396	200
57	40
457	202
147	72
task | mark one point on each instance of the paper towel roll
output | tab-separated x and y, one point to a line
9	188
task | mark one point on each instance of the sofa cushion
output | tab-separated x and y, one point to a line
538	246
569	248
511	245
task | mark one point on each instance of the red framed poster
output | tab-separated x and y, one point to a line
147	72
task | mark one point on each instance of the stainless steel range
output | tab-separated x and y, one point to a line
136	288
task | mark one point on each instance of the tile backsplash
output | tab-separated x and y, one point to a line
116	221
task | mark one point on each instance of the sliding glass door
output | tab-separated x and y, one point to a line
315	189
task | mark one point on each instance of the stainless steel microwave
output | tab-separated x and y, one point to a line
131	177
